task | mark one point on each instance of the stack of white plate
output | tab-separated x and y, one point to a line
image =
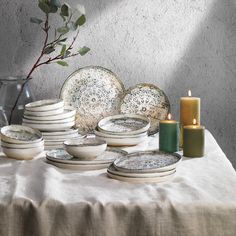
123	130
149	166
53	120
21	142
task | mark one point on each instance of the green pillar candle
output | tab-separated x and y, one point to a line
194	140
169	136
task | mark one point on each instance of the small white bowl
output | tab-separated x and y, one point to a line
44	113
85	149
22	153
20	134
22	145
45	105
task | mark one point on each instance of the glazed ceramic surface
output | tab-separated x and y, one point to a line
149	100
29	121
85	149
95	92
120	141
60	133
149	161
124	124
22	145
111	169
140	179
44	113
44	105
67	113
60	155
20	134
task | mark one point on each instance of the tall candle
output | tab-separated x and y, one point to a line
194	140
189	110
169	135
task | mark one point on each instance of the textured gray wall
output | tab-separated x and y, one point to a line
176	45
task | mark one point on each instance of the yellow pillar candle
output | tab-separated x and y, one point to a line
189	110
194	140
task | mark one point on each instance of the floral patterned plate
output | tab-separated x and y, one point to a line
149	100
95	92
146	162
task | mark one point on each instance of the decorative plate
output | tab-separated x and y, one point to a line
149	161
124	124
60	155
95	92
111	169
149	100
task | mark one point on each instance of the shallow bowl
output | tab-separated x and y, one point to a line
22	145
45	105
85	149
44	113
22	153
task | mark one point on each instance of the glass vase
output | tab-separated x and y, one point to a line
10	87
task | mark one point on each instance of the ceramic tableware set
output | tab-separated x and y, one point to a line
123	130
53	120
84	154
148	166
21	142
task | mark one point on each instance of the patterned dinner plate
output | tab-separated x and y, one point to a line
95	92
148	161
61	156
149	100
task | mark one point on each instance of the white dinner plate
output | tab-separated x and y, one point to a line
28	121
60	133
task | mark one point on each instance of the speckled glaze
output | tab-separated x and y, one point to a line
95	92
149	100
149	161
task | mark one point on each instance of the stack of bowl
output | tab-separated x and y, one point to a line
53	120
21	142
123	130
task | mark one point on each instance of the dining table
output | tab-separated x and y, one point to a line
37	198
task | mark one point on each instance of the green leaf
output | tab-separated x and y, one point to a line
84	50
63	30
35	20
63	50
55	3
48	50
81	20
62	63
65	10
62	40
44	6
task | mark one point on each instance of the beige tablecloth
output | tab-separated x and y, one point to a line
39	199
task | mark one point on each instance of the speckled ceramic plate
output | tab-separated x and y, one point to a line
149	161
149	100
61	156
95	92
111	169
124	124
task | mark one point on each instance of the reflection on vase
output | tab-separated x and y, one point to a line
10	87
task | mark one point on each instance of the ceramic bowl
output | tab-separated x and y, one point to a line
67	113
22	153
44	113
51	127
85	149
63	137
44	105
22	145
29	121
20	134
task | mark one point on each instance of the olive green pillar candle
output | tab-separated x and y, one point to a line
194	141
169	136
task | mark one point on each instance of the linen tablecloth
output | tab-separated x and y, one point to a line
39	199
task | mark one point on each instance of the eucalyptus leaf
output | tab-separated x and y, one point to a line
48	50
63	30
81	20
62	63
55	3
44	6
63	50
65	10
62	40
35	20
83	50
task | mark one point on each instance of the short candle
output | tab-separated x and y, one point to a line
194	140
169	135
189	110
